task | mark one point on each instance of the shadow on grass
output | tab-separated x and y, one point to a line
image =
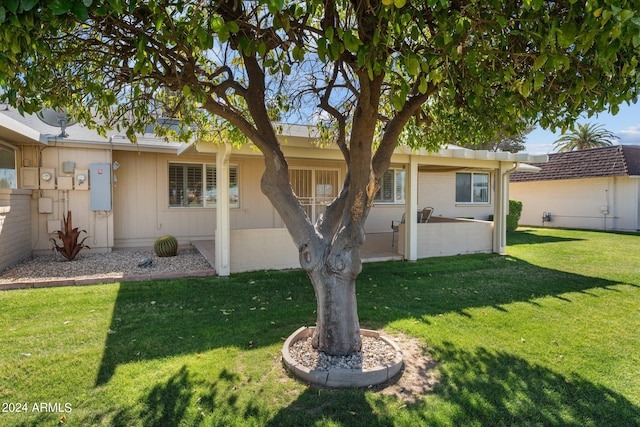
476	388
531	238
154	320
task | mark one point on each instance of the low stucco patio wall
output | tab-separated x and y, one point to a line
454	237
15	226
262	249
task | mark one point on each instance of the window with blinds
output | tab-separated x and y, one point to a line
392	187
187	181
212	187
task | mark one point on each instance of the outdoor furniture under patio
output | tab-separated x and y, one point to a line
420	217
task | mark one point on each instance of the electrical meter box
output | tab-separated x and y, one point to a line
29	178
65	183
100	188
47	179
81	179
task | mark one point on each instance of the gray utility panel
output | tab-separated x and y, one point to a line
100	185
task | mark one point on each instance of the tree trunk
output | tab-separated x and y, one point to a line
333	269
337	328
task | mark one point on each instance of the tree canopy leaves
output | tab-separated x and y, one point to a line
465	71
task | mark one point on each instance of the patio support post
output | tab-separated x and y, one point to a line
223	232
501	208
411	209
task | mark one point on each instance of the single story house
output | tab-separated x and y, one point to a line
595	189
126	195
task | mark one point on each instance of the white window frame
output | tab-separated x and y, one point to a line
9	177
473	200
207	191
398	195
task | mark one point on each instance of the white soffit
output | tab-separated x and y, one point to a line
18	132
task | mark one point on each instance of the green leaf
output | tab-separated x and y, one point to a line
413	66
27	5
538	80
351	42
567	34
12	5
262	48
540	61
625	15
217	23
399	3
298	53
186	90
525	88
422	88
3	14
615	109
80	11
397	101
233	27
60	7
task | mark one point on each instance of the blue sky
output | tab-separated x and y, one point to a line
625	125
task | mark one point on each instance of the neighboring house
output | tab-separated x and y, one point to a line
596	189
126	195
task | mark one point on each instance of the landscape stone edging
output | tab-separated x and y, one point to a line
339	377
104	280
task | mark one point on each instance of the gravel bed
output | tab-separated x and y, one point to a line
112	264
375	353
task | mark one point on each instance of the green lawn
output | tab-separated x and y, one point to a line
548	335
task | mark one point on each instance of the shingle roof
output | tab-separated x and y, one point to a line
616	160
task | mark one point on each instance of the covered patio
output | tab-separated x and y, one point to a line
248	249
377	248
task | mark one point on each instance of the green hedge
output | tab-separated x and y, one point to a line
515	210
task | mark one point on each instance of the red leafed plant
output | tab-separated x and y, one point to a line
69	237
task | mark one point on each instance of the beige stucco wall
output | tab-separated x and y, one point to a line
451	238
15	226
98	224
438	190
141	198
261	249
578	203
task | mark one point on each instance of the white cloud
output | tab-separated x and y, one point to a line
630	135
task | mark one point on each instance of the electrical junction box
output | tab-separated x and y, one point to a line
81	179
45	205
100	177
47	179
29	178
65	183
54	225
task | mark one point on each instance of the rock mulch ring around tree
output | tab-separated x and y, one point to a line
398	366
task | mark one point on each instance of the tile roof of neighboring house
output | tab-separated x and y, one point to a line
616	160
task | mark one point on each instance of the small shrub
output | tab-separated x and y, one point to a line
166	245
515	210
69	238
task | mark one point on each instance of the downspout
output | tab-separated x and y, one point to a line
501	209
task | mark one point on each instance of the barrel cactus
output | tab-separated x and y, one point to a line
166	245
